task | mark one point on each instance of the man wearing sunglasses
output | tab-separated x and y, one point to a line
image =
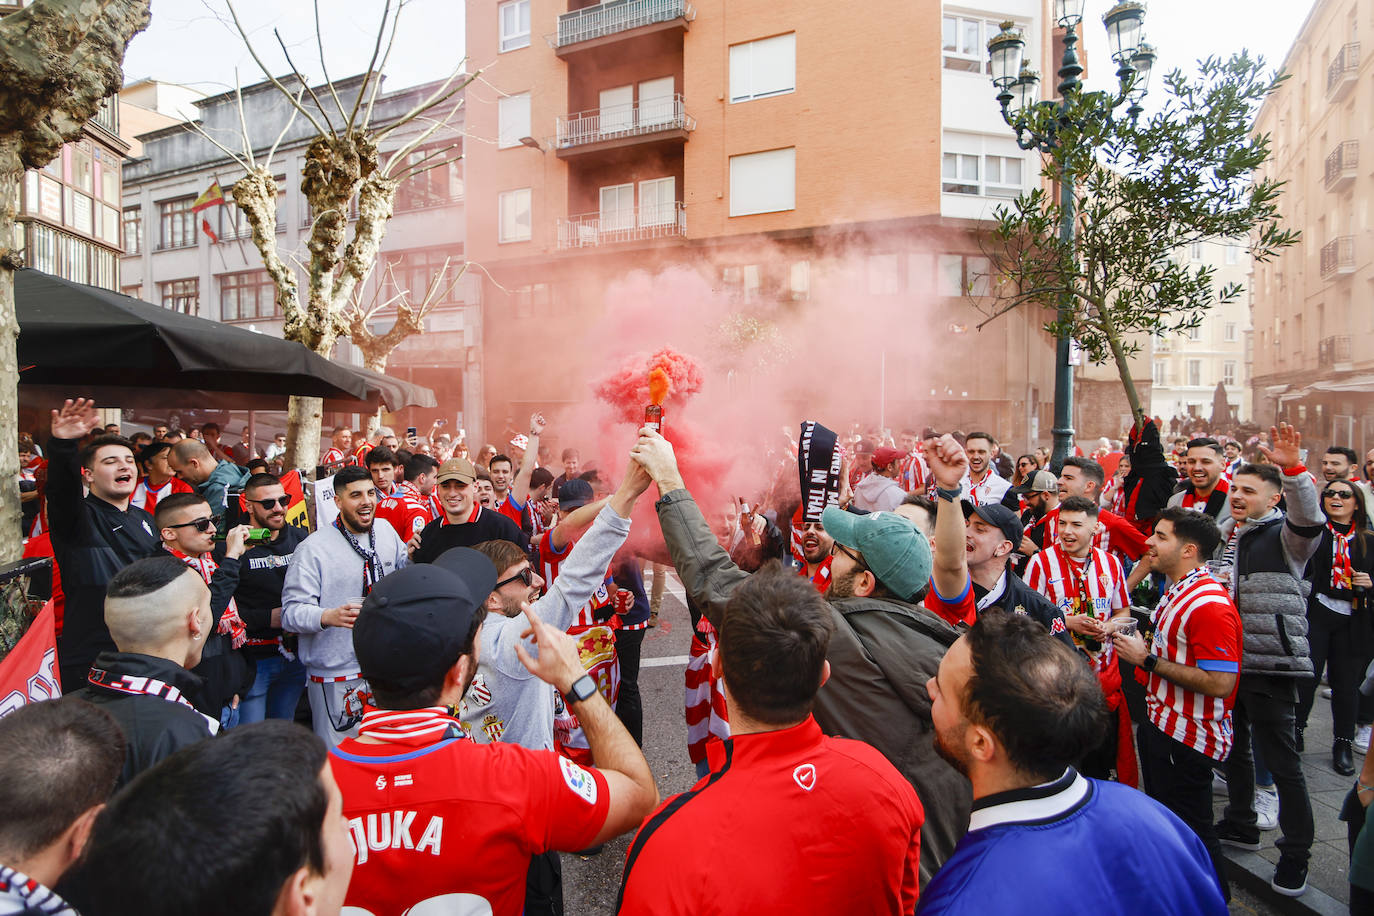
280	676
188	533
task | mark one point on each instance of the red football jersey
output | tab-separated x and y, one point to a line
405	515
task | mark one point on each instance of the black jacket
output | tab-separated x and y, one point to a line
262	575
225	670
92	540
1019	598
491	525
155	727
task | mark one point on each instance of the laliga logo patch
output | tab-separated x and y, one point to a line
805	775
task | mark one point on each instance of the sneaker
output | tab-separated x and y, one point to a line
1267	808
1362	738
1290	878
1219	784
1326	693
1238	838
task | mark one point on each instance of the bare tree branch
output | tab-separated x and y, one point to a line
247	43
319	106
324	69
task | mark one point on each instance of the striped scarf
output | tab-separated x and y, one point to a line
230	623
1342	574
411	727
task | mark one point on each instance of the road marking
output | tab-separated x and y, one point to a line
663	661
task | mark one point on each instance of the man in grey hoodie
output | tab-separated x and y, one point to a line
330	574
1267	552
879	491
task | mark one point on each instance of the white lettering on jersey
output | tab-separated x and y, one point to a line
579	780
433	836
392	830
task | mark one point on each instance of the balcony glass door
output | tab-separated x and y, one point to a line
617	207
617	109
656	102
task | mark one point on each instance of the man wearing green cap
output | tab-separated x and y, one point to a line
886	645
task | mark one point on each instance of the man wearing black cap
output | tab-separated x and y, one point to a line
1039	522
465	522
436	818
992	533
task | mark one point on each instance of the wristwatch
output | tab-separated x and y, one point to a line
582	689
951	495
1150	661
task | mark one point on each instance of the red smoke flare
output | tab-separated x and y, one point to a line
628	390
658	386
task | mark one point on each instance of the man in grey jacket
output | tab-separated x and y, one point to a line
330	574
1268	552
886	645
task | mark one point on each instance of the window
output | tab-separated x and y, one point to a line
763	182
1002	176
411	273
957	275
176	223
960	174
658	202
1195	373
617	207
438	181
181	295
514	213
1228	373
763	68
133	292
233	223
1195	333
133	230
799	280
515	24
1195	251
513	118
657	102
1231	335
969	171
882	275
1158	370
617	109
965	43
246	296
1232	253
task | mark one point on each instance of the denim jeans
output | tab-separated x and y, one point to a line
1266	710
275	692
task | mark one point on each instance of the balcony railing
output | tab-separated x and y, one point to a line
602	19
1338	257
1341	165
610	227
1341	74
620	121
1333	351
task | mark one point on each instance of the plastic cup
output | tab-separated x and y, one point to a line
1125	626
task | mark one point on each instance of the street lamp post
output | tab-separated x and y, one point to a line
1018	90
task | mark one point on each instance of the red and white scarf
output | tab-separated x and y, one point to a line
230	623
1192	501
411	727
1342	574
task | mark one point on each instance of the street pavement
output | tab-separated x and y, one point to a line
590	884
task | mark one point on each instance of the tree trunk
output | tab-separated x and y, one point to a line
1123	366
303	418
11	174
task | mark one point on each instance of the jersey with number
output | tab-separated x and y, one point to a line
1197	625
449	826
1095	584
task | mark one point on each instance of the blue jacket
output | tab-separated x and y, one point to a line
1075	846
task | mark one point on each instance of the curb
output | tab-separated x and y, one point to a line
1253	872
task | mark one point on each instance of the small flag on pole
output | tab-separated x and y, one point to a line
205	227
213	197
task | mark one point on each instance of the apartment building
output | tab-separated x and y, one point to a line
170	259
810	162
1314	328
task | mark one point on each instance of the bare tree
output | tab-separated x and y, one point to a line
59	60
343	163
410	319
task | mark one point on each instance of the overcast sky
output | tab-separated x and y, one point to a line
193	43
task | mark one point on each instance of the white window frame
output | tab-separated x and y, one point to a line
515	39
1232	332
512	119
746	84
974	155
961	179
1228	373
513	195
653	209
1193	375
1159	372
970	60
620	217
616	117
654	108
770	160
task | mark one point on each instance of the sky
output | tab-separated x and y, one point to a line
192	42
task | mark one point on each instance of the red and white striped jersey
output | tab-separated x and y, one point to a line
912	473
550	561
1197	625
987	491
333	456
707	715
1114	533
146	498
1094	585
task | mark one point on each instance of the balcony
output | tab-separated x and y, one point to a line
1338	257
1341	165
1334	353
622	125
1342	73
591	230
602	22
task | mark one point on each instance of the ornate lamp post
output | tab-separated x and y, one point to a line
1042	124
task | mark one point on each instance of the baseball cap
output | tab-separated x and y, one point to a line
574	493
416	622
884	456
892	547
999	516
459	469
1038	482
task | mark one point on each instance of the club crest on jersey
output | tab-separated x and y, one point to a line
805	775
493	728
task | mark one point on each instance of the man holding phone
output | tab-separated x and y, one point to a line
280	676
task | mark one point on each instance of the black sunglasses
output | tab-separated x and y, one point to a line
525	575
1339	494
282	501
856	557
201	524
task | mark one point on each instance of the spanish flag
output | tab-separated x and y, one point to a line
213	197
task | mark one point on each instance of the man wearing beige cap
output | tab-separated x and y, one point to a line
464	522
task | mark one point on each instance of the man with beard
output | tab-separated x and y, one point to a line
1040	520
340	449
982	485
418	643
885	643
465	522
1207	484
211	479
280	676
330	574
1085	477
812	548
1233	458
1339	463
92	537
1013	710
